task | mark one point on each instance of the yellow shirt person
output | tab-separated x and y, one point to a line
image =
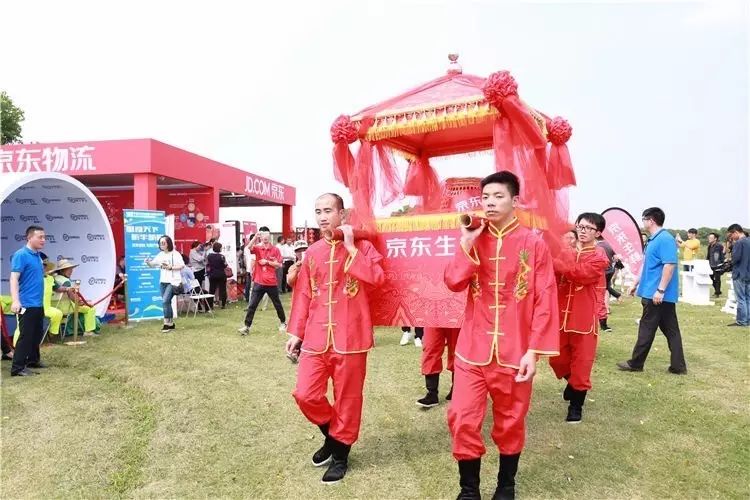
691	247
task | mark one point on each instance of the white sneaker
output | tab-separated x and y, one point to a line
282	327
418	343
405	338
244	330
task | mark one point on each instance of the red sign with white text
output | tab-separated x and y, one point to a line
624	235
414	293
134	156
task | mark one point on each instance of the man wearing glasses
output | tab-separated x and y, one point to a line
580	282
658	289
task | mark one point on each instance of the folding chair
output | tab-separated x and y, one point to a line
197	297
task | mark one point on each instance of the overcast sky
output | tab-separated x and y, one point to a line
656	92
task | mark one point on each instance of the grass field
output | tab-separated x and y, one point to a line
203	412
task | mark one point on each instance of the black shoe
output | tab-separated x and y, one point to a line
506	477
323	455
6	357
23	373
625	366
677	372
450	393
38	364
567	393
339	462
575	409
735	324
603	326
429	401
432	382
575	414
468	479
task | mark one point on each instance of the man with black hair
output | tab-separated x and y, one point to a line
580	278
658	288
690	247
715	254
740	273
27	302
330	326
510	320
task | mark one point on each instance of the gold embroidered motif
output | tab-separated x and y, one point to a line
522	282
476	287
352	287
314	290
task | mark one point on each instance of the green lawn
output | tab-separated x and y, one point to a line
203	412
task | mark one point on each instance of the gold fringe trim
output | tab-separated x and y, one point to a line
430	121
427	222
443	221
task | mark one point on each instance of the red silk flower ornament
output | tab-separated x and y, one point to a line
498	87
343	133
559	167
343	130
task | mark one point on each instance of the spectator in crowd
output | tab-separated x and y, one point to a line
569	239
406	335
690	248
217	277
268	261
197	261
27	295
66	296
170	262
658	288
740	273
715	254
287	259
300	247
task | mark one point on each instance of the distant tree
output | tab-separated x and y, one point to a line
11	117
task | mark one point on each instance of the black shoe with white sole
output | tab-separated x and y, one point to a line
575	409
339	462
323	455
432	382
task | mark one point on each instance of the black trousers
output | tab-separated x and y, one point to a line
614	293
285	271
716	278
30	326
200	276
664	317
418	331
220	283
257	295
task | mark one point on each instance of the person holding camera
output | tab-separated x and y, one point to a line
169	261
715	254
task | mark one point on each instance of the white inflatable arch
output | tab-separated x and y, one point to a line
75	223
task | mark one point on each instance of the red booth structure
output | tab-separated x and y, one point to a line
149	175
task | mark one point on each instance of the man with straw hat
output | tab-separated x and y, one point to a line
65	294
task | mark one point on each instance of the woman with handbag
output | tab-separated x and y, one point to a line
218	272
170	262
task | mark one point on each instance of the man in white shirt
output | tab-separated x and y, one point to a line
287	258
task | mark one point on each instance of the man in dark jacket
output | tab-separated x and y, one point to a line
715	260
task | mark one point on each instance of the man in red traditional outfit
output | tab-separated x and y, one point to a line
511	319
580	283
330	324
434	343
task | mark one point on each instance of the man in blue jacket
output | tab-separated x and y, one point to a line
740	273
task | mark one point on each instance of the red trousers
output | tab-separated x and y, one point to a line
348	374
510	403
433	345
576	359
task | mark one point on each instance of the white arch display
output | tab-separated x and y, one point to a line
75	223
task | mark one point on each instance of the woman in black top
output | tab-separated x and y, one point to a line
217	278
